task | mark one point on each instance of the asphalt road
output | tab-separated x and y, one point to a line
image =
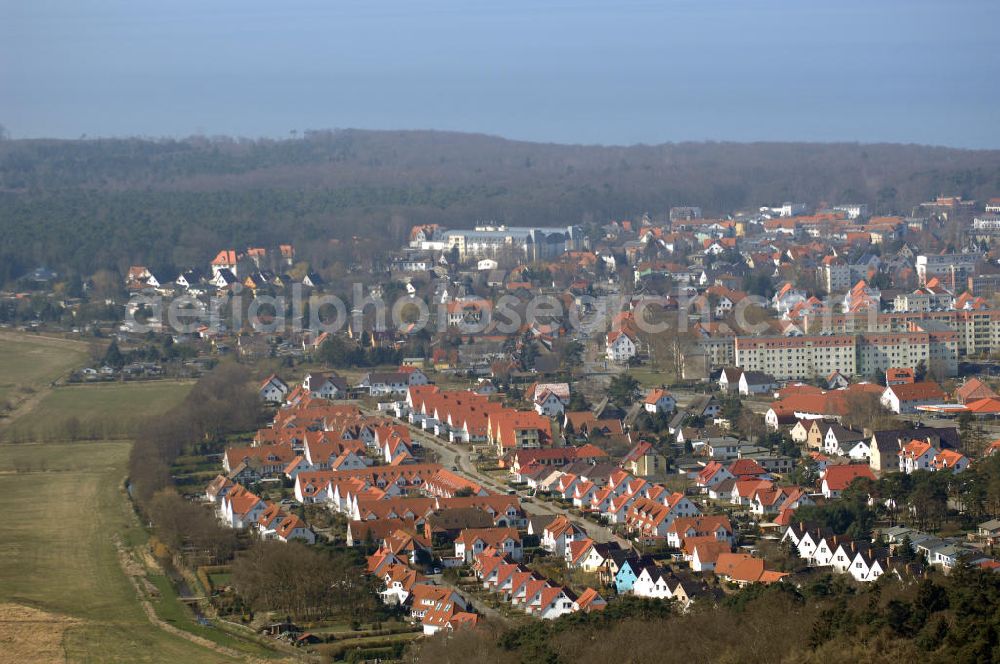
457	456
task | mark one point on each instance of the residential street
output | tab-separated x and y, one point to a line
453	456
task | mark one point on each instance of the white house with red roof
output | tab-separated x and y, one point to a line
717	526
559	533
241	508
473	541
906	397
712	474
550	603
950	460
273	389
325	386
658	401
621	345
837	478
293	528
916	455
590	600
651	519
548	404
227	259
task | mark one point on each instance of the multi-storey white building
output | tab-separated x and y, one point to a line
798	358
489	241
852	210
951	268
978	330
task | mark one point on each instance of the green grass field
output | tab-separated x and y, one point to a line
64	505
651	376
34	362
102	410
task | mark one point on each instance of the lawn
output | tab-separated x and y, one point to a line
63	507
29	362
97	411
650	376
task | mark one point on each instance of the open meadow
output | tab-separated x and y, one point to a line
31	362
65	508
97	411
64	595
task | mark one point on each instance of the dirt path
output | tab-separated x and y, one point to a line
23	407
26	404
44	339
136	575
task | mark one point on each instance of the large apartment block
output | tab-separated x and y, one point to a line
978	330
488	241
797	358
952	269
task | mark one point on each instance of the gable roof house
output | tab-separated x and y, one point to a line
559	533
950	460
905	398
756	382
841	440
885	445
273	389
629	568
643	460
651	519
916	455
227	259
837	478
325	386
621	345
702	553
241	508
972	390
292	527
509	429
712	474
473	541
659	400
653	582
729	379
743	570
684	528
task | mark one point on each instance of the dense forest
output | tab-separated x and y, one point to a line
85	205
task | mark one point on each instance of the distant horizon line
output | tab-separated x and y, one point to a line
305	133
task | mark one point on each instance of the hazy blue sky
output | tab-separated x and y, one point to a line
577	71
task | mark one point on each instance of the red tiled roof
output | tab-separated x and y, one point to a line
922	391
838	478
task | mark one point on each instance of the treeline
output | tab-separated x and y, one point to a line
290	579
222	402
84	205
339	353
296	580
923	499
828	620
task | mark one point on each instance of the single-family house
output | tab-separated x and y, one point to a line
837	478
905	397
